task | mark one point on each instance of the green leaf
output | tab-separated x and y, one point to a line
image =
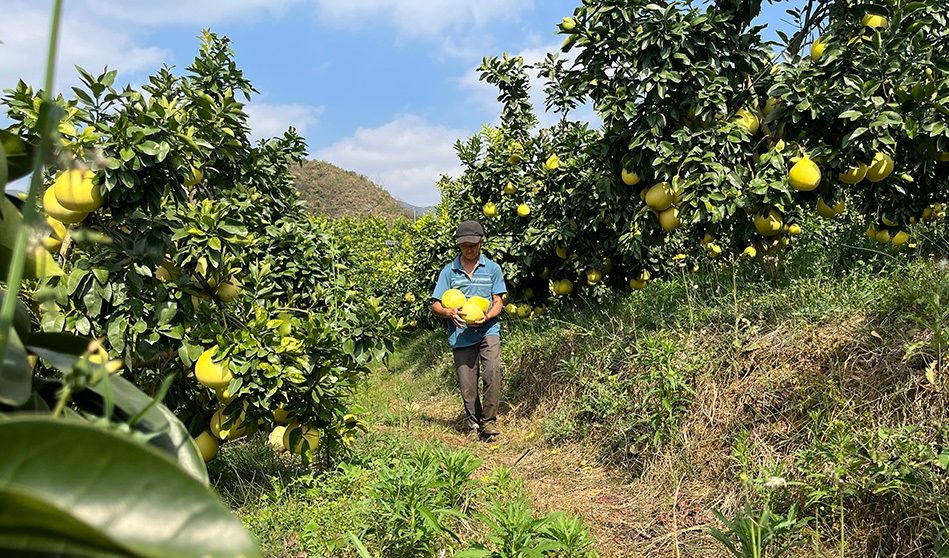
91	492
171	435
19	156
39	263
21	319
148	147
165	312
16	376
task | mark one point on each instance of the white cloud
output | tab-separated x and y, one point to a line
485	95
405	156
149	13
99	33
271	120
430	18
84	41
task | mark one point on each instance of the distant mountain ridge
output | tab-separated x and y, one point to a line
334	192
418	210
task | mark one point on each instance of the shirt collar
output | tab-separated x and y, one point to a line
457	263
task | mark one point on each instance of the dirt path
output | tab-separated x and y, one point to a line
624	517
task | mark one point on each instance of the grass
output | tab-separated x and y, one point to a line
718	390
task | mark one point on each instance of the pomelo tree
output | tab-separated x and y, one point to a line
713	140
190	240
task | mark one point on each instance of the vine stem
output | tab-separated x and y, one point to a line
18	261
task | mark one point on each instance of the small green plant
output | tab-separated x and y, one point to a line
767	535
572	536
513	532
933	317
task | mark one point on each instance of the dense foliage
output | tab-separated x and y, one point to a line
709	146
202	242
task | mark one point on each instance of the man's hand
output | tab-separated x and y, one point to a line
480	322
457	317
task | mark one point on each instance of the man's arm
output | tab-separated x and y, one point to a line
448	313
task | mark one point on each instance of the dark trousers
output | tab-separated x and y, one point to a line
483	410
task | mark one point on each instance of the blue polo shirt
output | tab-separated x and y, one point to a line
486	281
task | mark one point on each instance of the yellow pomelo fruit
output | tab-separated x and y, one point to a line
769	105
489	209
523	310
768	224
552	163
640	282
871	232
196	176
563	287
223	395
482	302
281	415
472	311
853	175
748	120
102	359
523	210
794	230
629	178
275	438
880	168
944	156
714	250
226	427
509	188
750	252
453	298
825	210
887	221
875	21
162	274
229	290
594	276
307	438
214	375
561	252
75	191
927	214
208	445
58	212
899	238
817	49
511	309
52	243
59	229
883	237
707	239
660	196
804	175
669	219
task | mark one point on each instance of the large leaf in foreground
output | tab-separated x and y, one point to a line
172	437
19	155
72	489
15	373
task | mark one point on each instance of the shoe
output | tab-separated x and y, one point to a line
489	430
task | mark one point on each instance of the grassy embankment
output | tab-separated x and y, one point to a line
712	390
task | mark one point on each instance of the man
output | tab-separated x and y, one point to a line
478	343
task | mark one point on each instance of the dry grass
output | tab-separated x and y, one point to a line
849	367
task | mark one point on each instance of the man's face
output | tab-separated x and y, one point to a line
470	251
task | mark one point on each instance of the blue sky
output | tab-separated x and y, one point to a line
382	87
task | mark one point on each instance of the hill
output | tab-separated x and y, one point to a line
334	192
